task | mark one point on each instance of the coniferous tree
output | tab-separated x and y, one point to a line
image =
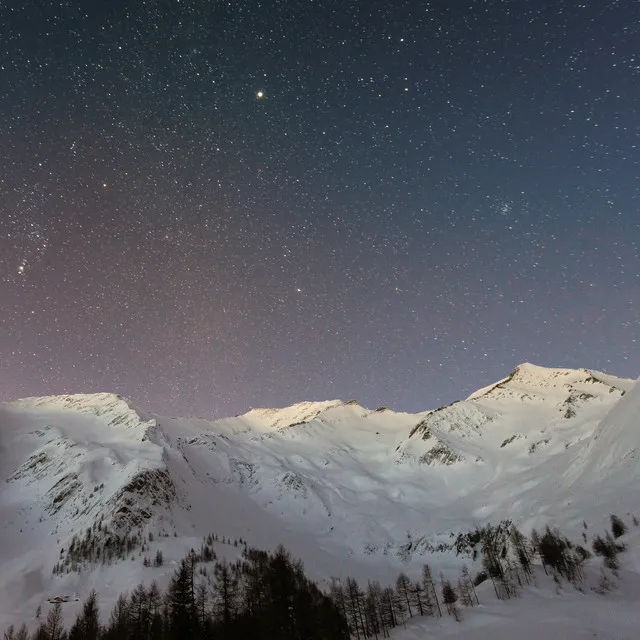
139	612
466	577
524	553
12	634
354	600
388	610
421	599
464	595
181	601
373	610
608	549
400	609
224	593
513	578
118	628
155	599
618	527
558	553
337	595
405	592
430	589
22	633
53	626
87	624
450	598
202	606
493	551
254	588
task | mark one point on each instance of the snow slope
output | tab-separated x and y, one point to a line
348	489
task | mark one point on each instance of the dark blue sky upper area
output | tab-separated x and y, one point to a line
208	206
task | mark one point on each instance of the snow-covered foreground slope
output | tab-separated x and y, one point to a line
543	612
348	489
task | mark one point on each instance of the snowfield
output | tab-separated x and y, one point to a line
350	490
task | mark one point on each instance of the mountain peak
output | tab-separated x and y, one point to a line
109	408
531	377
295	413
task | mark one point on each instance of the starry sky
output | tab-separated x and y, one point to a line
209	206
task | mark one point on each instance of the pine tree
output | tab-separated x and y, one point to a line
354	601
430	589
618	527
139	614
450	598
22	633
118	628
466	579
282	583
155	599
181	601
336	593
87	624
558	553
224	593
463	592
373	612
608	549
523	551
202	605
388	611
421	598
53	626
404	591
491	560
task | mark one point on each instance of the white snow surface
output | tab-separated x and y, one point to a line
352	491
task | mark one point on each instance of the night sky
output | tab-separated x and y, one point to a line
207	206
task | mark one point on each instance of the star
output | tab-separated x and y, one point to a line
260	94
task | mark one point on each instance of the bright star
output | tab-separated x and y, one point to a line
260	94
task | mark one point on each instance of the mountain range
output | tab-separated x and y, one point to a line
350	490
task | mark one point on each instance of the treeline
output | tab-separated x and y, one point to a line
260	595
507	558
99	545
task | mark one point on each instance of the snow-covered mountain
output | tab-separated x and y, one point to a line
350	490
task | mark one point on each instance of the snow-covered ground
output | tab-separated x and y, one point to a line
548	610
352	491
540	613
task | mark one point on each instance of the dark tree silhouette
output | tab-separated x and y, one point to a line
87	624
618	527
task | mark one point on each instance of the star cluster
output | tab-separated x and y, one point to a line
207	206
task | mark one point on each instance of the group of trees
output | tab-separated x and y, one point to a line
100	545
507	558
268	595
260	595
376	610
